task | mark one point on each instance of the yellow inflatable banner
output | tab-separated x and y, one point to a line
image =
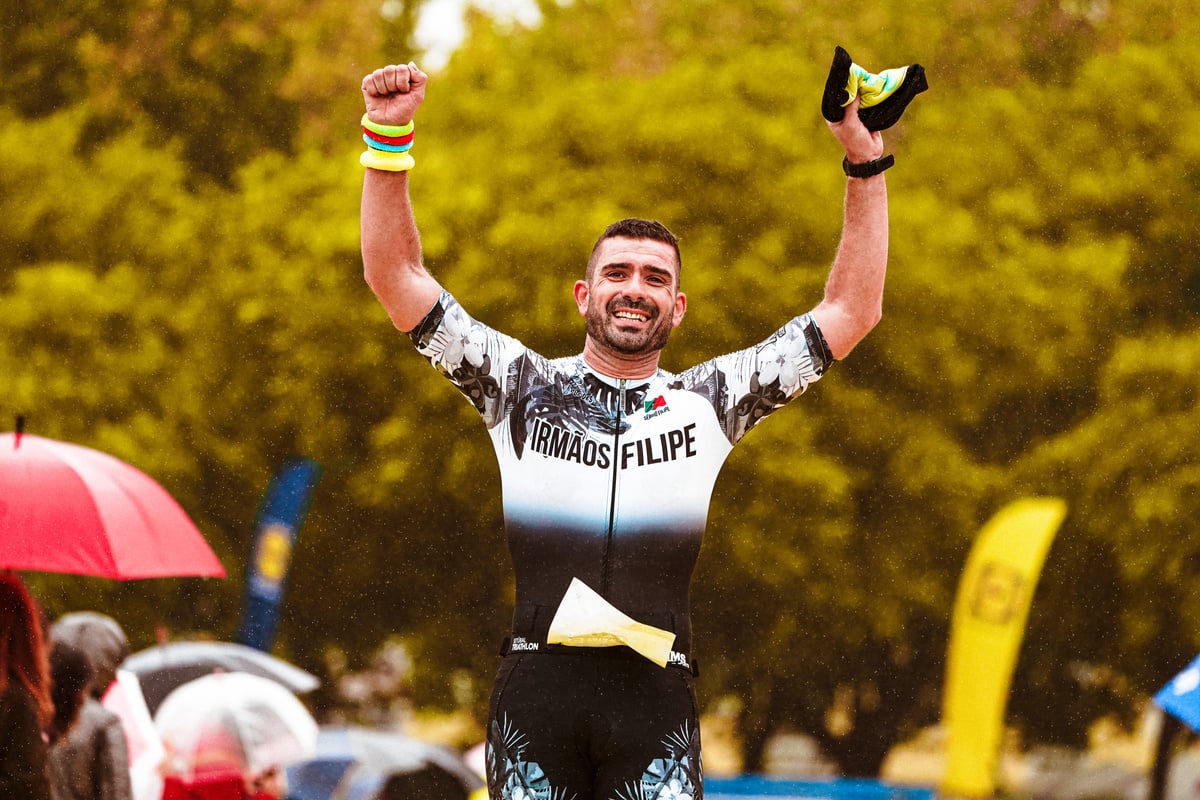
986	628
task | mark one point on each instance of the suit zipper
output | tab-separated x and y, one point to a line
606	578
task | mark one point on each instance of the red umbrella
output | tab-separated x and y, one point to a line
66	508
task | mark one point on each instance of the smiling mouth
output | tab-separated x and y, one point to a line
631	311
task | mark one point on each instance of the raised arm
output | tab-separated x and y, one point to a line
853	302
391	246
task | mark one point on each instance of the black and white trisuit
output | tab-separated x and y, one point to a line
607	481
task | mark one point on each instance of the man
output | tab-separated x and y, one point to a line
607	465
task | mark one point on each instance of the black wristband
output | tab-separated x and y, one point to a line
867	168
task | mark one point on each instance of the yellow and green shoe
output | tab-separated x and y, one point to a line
884	95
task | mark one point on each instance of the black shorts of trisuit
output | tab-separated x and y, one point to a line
596	724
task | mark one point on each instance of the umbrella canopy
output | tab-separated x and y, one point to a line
233	723
353	763
66	508
163	668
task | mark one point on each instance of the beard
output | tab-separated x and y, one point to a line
604	328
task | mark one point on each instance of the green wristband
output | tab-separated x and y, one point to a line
386	130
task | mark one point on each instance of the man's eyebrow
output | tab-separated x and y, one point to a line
629	265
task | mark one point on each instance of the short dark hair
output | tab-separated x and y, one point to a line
70	680
634	228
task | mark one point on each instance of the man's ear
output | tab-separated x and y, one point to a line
680	307
581	296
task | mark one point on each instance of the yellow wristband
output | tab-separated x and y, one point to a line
386	130
386	161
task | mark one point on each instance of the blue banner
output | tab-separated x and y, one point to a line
1181	697
284	507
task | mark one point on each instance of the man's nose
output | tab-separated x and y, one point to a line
635	286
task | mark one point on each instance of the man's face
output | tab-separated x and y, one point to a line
631	300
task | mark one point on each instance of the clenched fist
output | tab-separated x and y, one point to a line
393	93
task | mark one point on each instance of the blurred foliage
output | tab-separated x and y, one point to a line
180	286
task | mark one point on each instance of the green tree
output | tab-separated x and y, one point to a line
223	80
1039	332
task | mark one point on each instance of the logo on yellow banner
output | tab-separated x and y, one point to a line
999	593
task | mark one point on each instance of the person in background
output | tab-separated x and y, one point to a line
214	781
270	784
217	769
91	762
70	680
26	709
223	787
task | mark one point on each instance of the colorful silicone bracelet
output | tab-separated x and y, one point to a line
388	162
386	130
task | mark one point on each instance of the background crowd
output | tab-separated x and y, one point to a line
58	742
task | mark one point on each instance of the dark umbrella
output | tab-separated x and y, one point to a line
162	668
355	763
71	509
